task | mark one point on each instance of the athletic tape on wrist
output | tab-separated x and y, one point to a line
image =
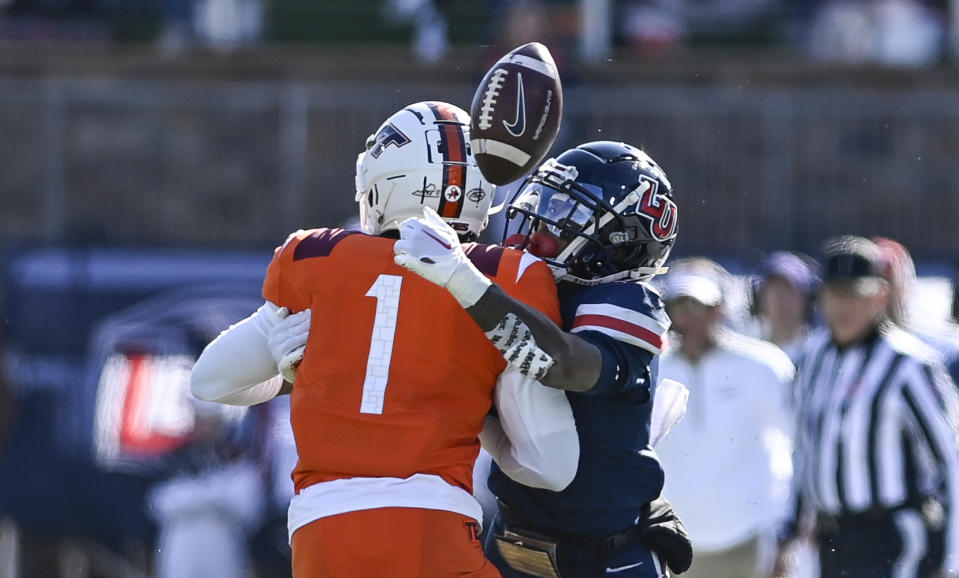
515	341
467	284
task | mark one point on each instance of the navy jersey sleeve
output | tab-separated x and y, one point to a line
628	323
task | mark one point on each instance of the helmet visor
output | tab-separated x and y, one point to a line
562	214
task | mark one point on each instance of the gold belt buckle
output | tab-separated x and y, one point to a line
528	553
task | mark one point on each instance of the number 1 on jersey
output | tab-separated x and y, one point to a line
386	291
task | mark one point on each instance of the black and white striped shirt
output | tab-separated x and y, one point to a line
878	427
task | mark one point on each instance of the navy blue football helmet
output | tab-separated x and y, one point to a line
609	202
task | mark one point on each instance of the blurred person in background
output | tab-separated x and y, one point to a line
728	461
907	33
219	24
784	288
212	502
876	464
430	27
270	546
228	24
657	26
899	270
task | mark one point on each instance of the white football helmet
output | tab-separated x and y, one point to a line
421	157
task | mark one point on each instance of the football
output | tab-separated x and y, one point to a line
516	113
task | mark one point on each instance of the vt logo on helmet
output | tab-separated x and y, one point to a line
418	157
599	212
389	135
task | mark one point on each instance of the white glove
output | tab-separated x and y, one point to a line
430	248
287	340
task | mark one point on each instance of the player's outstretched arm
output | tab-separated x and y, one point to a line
529	340
534	345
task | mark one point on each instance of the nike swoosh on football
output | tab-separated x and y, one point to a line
621	568
438	240
520	110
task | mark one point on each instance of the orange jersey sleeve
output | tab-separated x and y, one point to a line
396	378
291	295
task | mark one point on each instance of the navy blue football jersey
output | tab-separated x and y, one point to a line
618	471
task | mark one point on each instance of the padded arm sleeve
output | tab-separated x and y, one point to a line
669	406
237	367
534	441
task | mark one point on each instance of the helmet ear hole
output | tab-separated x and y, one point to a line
626	253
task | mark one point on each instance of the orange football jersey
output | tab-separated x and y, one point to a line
397	377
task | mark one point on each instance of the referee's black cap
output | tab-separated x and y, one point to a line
852	260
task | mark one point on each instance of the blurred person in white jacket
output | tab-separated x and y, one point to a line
728	460
212	503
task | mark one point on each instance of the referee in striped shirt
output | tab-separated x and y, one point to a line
877	456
